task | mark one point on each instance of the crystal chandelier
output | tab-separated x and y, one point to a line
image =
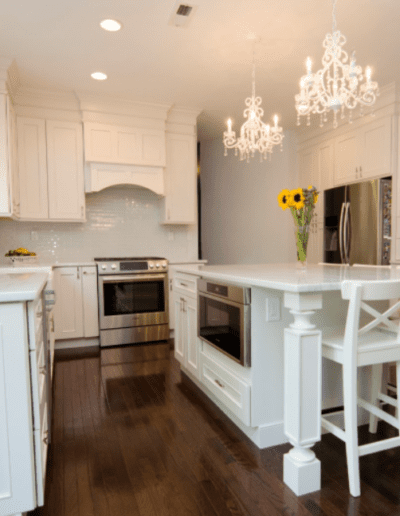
337	85
254	134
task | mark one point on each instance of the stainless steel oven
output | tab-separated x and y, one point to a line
224	319
133	300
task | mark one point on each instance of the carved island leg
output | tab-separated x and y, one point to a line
302	393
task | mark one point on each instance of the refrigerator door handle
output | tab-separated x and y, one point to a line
341	220
347	233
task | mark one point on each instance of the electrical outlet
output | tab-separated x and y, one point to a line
34	235
273	309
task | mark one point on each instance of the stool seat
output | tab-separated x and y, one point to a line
372	347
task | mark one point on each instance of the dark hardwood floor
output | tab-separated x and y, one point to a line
133	437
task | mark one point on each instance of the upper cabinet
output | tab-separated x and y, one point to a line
7	156
124	145
50	162
180	203
364	153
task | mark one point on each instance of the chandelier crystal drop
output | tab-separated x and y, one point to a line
338	85
254	134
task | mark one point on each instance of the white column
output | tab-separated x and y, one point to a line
302	393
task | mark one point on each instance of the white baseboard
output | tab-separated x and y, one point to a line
77	343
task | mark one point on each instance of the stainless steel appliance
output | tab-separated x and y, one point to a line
224	319
358	223
133	300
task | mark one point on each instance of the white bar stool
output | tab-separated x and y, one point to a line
357	347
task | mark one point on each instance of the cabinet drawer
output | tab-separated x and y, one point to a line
185	283
230	390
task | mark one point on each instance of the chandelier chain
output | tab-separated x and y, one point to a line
333	16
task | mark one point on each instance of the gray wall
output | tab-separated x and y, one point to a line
241	219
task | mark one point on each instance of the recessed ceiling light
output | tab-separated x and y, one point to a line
111	25
99	76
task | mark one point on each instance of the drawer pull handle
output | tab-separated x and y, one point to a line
39	314
219	384
184	285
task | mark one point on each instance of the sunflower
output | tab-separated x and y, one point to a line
283	199
315	198
296	198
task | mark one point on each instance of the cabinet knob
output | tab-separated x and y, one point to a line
360	172
42	370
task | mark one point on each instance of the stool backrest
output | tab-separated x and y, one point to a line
357	292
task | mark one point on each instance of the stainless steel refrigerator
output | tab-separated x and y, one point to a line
358	223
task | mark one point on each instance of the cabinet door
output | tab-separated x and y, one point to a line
90	302
65	170
32	168
180	180
152	147
325	165
192	347
68	313
17	460
5	201
179	342
308	167
347	158
13	159
99	143
376	149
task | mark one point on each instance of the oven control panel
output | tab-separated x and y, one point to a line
132	267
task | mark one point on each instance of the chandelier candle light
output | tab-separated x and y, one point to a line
337	85
301	203
254	134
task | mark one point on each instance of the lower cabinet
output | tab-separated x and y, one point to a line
25	391
76	309
185	314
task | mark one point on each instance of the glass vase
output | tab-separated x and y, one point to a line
302	235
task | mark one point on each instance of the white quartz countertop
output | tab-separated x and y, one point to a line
21	286
315	278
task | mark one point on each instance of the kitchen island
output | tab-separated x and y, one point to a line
312	298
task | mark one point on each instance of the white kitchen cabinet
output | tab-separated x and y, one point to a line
32	168
24	399
65	170
76	309
185	309
347	158
7	156
124	145
376	145
50	161
180	202
364	153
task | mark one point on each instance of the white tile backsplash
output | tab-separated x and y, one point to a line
121	221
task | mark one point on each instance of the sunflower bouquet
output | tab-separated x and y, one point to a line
301	203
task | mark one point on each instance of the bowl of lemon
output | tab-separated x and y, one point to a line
21	256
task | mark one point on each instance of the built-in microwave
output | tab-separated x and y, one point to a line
224	319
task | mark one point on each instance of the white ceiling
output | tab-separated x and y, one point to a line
58	44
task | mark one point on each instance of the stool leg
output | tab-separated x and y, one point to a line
350	423
376	386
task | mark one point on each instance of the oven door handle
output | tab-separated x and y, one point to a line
129	279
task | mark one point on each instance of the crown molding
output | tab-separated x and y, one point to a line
90	103
9	76
47	99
